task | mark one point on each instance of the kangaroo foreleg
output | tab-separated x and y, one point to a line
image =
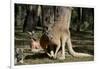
57	49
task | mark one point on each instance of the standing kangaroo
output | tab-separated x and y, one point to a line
59	34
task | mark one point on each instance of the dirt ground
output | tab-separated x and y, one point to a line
82	42
43	59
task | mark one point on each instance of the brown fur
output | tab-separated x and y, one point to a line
60	34
35	46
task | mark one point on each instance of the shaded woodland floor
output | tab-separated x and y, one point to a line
82	42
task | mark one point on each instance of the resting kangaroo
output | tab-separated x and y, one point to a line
59	34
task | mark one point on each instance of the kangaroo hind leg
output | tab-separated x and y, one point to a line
72	52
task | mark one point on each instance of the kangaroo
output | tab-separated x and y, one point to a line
59	34
35	45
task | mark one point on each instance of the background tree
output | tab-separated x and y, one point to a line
82	19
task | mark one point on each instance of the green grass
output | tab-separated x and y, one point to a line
45	60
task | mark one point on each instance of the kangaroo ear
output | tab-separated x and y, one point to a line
29	35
